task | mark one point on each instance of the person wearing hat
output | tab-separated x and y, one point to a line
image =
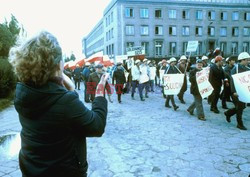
152	75
226	93
194	90
119	77
85	73
94	79
244	59
144	77
136	80
162	70
183	67
172	69
77	76
216	78
204	61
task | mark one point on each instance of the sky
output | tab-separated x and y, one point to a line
68	20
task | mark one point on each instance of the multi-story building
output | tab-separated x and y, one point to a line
164	27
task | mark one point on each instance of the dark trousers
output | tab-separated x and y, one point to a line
151	83
170	97
77	83
146	86
86	94
226	94
119	91
140	88
215	97
238	110
183	89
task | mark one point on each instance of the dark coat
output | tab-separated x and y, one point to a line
85	73
77	74
192	78
227	71
171	70
119	77
216	76
55	124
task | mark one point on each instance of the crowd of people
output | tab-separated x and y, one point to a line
147	74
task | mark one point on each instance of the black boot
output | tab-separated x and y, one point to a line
176	107
142	99
167	103
240	124
132	96
228	117
224	105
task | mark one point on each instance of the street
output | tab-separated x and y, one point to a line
145	139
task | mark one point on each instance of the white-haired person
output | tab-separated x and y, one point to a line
55	123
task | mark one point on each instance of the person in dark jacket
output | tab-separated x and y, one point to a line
94	79
172	69
55	123
244	59
119	77
226	93
194	90
216	78
77	76
85	73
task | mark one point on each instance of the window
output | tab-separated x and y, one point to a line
130	30
184	47
129	12
185	30
107	50
246	31
144	13
211	15
211	31
247	16
172	30
223	47
112	33
106	21
158	13
223	16
145	45
246	47
144	30
158	48
112	49
185	14
234	48
172	48
198	31
109	20
158	30
199	15
223	31
107	37
130	44
235	16
172	13
235	31
112	17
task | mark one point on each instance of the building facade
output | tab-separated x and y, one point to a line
164	27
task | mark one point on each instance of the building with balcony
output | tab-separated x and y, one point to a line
164	27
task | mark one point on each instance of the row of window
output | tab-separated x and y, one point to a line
110	34
109	19
172	48
110	49
158	30
172	14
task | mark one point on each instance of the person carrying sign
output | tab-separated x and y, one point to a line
216	78
144	77
119	77
172	69
194	90
161	73
136	80
242	66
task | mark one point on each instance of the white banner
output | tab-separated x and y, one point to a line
173	83
242	86
192	46
204	86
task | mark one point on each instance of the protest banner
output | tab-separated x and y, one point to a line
173	83
242	86
192	46
204	86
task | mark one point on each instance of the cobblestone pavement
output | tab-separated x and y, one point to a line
148	140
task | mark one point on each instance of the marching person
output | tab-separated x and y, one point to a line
77	76
55	123
244	59
172	69
226	93
216	78
136	73
194	90
158	67
94	79
182	66
162	71
85	73
144	77
152	75
119	77
204	61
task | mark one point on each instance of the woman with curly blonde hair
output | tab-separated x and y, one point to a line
55	123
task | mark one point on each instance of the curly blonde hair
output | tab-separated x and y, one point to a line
36	60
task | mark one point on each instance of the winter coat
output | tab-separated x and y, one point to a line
119	77
216	76
55	124
192	78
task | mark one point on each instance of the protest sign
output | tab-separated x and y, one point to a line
192	46
173	83
204	86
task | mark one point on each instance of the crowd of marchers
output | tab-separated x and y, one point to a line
146	75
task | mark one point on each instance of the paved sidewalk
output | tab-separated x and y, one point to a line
148	140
